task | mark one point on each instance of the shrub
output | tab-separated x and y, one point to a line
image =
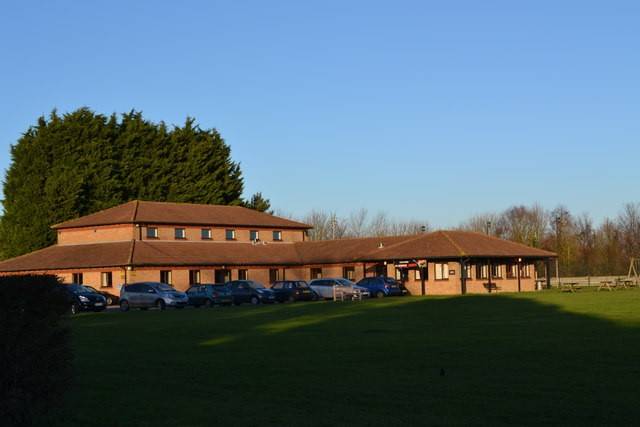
35	350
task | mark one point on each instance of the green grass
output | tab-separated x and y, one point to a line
508	359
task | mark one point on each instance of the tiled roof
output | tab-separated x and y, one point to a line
143	212
71	257
439	244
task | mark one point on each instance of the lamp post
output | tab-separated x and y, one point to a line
488	227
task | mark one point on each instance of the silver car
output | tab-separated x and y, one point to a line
144	295
325	287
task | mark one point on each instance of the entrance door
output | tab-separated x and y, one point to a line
222	276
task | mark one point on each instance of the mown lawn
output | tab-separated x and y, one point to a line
549	358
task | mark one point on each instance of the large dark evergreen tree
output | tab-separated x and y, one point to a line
72	165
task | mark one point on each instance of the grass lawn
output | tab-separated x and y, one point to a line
532	358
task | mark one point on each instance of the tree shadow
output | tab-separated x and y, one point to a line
505	359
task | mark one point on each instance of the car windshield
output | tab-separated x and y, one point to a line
302	284
345	282
90	290
164	287
79	289
256	285
390	281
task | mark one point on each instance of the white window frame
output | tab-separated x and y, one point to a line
206	234
106	283
442	271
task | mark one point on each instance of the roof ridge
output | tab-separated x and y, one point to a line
135	211
131	251
455	245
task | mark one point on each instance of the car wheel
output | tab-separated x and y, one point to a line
379	294
109	300
292	298
255	300
75	309
160	305
124	305
208	303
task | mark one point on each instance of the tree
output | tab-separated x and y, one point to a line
259	203
72	165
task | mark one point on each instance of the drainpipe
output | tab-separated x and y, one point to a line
463	278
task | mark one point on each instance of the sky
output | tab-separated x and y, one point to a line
429	111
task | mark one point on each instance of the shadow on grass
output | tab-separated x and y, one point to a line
507	359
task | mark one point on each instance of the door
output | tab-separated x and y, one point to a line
222	276
148	296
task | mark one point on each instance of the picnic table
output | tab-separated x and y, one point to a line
606	284
624	282
569	287
491	287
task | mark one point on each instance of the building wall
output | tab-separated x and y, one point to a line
193	233
180	277
105	233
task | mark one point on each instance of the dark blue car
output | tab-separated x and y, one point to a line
381	286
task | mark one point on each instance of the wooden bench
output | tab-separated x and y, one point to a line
491	287
570	287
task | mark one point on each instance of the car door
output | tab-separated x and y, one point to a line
245	291
148	295
323	288
132	293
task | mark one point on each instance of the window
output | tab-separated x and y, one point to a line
496	271
525	270
349	273
230	234
194	277
316	273
467	272
254	235
165	276
152	232
277	236
106	279
482	271
274	275
77	278
205	234
512	271
398	274
180	233
242	274
416	274
442	271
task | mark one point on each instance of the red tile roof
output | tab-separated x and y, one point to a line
143	212
437	245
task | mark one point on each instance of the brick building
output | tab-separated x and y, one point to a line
183	244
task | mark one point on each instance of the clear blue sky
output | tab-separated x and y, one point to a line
428	110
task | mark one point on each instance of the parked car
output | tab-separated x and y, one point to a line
111	299
325	287
382	286
144	295
209	295
82	299
293	290
250	291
